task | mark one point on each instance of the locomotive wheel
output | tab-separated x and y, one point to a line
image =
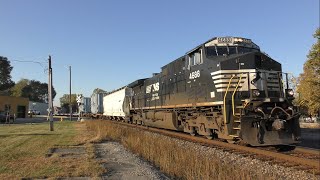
209	137
230	141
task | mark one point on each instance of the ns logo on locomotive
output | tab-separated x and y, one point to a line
224	88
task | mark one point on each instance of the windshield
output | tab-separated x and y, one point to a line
227	50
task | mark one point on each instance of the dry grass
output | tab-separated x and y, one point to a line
24	148
168	155
310	125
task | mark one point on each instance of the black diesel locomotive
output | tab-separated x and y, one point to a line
224	88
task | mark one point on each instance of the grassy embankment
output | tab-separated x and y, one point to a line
173	159
24	148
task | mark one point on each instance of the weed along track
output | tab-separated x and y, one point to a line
299	159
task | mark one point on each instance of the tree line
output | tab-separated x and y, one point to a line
34	90
309	80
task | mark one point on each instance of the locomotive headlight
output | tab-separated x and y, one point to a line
290	92
255	92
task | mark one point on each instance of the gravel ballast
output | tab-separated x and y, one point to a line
264	168
122	164
184	159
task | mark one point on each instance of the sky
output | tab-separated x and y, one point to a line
110	43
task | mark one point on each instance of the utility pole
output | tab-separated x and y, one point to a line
70	105
50	95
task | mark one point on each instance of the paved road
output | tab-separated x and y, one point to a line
41	119
310	137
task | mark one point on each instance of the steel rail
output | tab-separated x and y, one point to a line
307	150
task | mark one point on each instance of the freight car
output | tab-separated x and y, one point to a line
97	104
117	104
224	88
85	105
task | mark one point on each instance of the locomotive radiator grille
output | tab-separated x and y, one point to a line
266	80
272	82
221	80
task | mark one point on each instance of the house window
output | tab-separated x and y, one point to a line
7	107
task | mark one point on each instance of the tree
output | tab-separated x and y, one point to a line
65	101
32	89
5	74
309	87
16	90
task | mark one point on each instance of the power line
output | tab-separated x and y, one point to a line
30	61
41	63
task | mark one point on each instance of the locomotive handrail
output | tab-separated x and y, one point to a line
281	84
234	92
224	100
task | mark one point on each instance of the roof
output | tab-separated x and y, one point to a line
226	40
136	82
197	47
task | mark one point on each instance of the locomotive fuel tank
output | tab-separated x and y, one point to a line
166	120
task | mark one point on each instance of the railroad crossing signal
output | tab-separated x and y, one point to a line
79	101
79	98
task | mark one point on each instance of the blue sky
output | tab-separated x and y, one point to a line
110	43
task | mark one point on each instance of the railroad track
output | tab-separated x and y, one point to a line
306	153
307	150
301	158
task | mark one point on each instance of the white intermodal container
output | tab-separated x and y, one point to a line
117	103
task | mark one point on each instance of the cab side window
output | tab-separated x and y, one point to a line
195	58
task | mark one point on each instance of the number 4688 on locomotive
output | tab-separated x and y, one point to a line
224	88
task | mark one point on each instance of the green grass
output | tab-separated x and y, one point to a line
24	148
